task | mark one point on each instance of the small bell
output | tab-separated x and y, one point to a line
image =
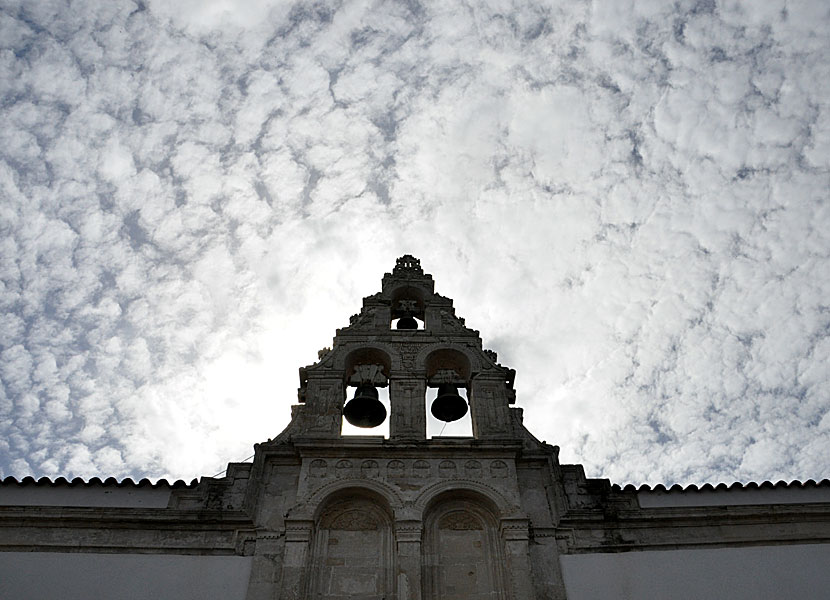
448	406
407	322
365	410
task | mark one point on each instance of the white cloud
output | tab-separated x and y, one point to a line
627	199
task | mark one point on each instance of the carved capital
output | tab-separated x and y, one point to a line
408	531
368	374
514	529
298	530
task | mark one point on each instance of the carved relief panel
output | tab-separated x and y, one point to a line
489	408
408	414
408	474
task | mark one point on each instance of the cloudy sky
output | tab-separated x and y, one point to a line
628	199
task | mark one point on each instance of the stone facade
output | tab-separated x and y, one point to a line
325	516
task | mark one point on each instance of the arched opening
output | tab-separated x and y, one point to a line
444	359
367	407
407	308
407	324
352	554
448	367
463	427
367	355
348	429
462	551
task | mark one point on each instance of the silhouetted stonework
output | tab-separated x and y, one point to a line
492	516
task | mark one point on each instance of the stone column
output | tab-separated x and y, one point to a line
295	560
515	534
406	398
408	539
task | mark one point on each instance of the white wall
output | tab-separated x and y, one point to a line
96	495
756	573
77	576
734	497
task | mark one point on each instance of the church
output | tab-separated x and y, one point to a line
492	515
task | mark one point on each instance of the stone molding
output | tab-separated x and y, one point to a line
298	530
697	527
310	505
431	492
408	530
138	531
514	529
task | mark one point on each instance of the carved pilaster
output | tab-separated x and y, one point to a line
406	397
324	407
408	539
489	408
266	567
295	559
515	534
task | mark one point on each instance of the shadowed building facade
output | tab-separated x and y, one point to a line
488	516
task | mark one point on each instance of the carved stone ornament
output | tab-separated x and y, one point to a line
364	320
343	468
354	520
446	376
459	521
449	322
420	468
395	468
317	468
409	306
446	468
409	354
472	468
372	374
407	265
498	469
369	468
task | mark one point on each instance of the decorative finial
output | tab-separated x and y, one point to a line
408	264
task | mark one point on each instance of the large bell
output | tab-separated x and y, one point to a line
407	322
365	410
448	405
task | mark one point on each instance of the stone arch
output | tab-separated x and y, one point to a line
482	493
473	363
448	358
367	353
382	493
406	291
352	552
463	553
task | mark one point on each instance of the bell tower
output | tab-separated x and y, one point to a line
408	338
403	517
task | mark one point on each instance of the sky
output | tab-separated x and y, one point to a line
629	200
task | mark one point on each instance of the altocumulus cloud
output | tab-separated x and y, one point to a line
629	200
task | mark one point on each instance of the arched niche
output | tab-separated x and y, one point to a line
463	554
448	358
352	548
366	355
414	299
